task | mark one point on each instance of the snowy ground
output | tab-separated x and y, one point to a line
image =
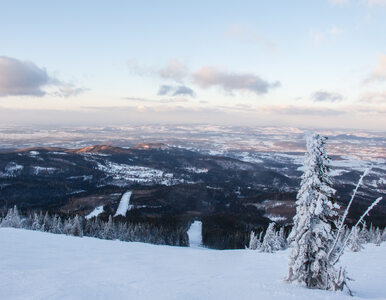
37	265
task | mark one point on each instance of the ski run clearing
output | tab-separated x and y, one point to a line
96	212
37	265
124	205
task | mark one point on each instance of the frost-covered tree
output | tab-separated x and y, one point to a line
47	223
57	226
312	234
35	222
76	228
109	229
282	240
355	242
254	241
384	235
378	237
12	219
270	242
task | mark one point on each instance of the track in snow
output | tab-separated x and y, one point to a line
195	234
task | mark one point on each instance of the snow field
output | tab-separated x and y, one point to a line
38	265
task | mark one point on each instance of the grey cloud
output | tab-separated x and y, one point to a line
24	78
68	90
171	90
183	91
21	78
164	90
324	96
207	77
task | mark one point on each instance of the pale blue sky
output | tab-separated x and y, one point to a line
275	61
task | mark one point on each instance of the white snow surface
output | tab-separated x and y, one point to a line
124	205
195	234
38	265
96	212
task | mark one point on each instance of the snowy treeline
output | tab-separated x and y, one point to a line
272	241
95	227
275	240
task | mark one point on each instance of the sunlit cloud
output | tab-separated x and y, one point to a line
174	70
379	73
207	77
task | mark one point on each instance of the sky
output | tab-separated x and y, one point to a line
313	64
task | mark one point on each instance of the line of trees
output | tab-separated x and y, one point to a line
95	227
275	239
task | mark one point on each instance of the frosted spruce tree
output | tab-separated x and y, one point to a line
254	241
312	234
355	241
271	241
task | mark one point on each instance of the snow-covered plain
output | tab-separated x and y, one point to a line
37	265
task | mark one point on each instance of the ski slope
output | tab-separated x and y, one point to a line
38	265
195	234
124	205
96	212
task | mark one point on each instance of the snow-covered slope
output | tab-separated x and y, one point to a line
195	234
124	205
36	265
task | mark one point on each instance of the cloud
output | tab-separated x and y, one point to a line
67	90
339	1
317	38
164	90
207	77
335	30
324	96
370	3
24	78
21	78
184	91
172	90
243	35
376	2
379	73
174	70
139	69
296	110
374	97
